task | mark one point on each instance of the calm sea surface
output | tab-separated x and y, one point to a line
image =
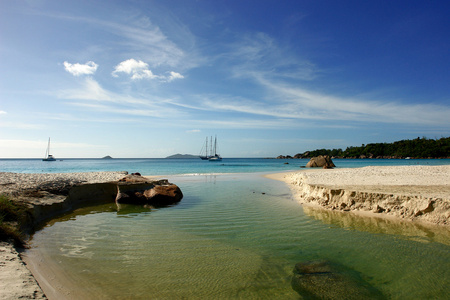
162	166
235	235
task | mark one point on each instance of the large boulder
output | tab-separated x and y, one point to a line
321	161
136	189
325	280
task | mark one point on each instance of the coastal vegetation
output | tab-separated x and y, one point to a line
12	217
416	148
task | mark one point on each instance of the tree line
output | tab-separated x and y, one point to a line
416	148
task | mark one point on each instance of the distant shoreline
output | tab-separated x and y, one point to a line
362	158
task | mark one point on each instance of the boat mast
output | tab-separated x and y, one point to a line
211	154
206	153
47	152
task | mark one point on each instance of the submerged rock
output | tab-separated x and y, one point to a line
324	280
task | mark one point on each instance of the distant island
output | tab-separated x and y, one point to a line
417	148
107	157
182	156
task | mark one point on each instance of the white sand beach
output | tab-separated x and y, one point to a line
419	193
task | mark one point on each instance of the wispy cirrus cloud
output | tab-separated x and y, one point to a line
261	53
289	105
138	36
284	77
96	98
89	90
331	107
20	125
78	69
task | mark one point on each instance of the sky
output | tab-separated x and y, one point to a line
144	79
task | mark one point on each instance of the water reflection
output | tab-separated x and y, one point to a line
372	224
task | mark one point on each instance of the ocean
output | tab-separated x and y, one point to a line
162	166
234	235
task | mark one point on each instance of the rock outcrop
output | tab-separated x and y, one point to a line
321	161
324	280
135	189
49	195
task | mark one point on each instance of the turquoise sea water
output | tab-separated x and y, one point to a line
234	235
161	166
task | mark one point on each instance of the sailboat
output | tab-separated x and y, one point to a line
215	157
48	156
204	152
211	153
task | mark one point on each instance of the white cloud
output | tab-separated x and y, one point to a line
2	112
193	131
77	69
130	66
139	70
144	74
174	75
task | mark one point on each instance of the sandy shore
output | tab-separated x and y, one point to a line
16	280
419	193
14	183
412	192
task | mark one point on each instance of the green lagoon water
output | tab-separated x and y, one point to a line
233	236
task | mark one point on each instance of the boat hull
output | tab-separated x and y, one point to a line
49	158
215	158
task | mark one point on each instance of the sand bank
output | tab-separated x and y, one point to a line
15	183
16	281
418	193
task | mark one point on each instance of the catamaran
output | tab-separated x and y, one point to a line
48	156
212	154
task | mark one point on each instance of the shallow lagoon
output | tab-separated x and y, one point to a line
232	236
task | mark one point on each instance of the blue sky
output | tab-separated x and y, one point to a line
154	78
